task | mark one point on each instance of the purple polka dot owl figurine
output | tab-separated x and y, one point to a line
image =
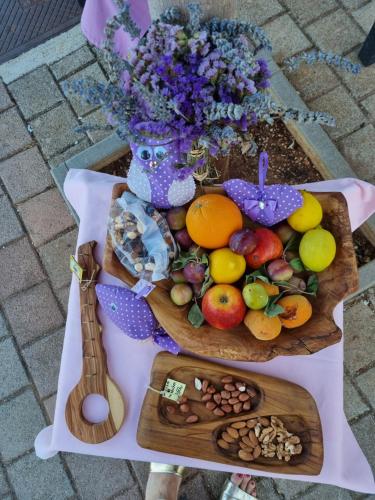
157	174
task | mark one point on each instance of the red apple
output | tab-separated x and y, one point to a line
269	247
223	307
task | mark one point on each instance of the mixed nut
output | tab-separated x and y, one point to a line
262	436
234	397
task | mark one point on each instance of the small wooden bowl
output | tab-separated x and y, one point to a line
335	283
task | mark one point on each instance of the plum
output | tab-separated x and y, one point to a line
178	277
197	289
183	239
243	241
181	294
176	218
284	232
297	286
279	270
194	272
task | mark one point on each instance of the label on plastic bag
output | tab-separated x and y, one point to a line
173	389
142	288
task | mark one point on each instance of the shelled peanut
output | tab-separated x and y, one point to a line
233	397
262	436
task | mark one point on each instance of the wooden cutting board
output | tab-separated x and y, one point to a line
160	431
335	283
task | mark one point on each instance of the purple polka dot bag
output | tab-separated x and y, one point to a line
133	316
267	205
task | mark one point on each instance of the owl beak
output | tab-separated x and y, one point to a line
153	164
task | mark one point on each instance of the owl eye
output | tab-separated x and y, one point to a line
160	153
144	152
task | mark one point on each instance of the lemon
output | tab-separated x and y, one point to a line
317	249
226	266
308	216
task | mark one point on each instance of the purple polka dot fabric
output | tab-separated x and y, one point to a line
268	206
133	316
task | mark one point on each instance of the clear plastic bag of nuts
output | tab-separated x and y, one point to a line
141	238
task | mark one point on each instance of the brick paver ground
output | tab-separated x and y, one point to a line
36	133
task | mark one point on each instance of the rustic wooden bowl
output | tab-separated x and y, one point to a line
335	283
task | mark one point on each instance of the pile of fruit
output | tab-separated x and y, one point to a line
260	276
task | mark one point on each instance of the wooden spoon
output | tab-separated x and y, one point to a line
94	378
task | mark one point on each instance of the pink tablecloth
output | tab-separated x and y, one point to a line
130	361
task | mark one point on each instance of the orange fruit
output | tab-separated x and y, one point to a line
211	220
270	288
261	326
297	310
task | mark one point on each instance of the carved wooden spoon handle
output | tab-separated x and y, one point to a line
94	378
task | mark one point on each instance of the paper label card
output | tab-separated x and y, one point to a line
173	389
76	268
142	288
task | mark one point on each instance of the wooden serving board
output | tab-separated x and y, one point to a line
335	283
295	407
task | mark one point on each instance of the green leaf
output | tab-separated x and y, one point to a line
195	316
293	243
312	284
273	310
204	259
182	260
258	274
206	285
297	265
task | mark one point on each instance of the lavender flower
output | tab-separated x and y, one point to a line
330	58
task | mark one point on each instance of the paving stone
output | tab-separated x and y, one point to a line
353	404
54	130
45	316
10	228
358	149
365	16
363	430
358	337
343	108
43	360
72	62
97	118
94	71
33	478
194	488
312	81
369	105
4	488
55	257
3	327
19	268
266	489
286	38
141	470
304	11
13	133
290	489
5	101
362	84
25	175
366	382
35	92
45	216
214	481
353	4
258	11
336	32
12	373
70	152
20	421
50	404
84	468
63	296
132	494
326	492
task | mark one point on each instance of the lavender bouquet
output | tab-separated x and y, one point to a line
203	80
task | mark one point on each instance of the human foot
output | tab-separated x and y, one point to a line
239	487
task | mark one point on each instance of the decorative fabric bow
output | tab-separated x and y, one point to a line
133	316
267	205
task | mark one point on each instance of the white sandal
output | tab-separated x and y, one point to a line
233	492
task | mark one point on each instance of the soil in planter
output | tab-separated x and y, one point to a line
288	164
